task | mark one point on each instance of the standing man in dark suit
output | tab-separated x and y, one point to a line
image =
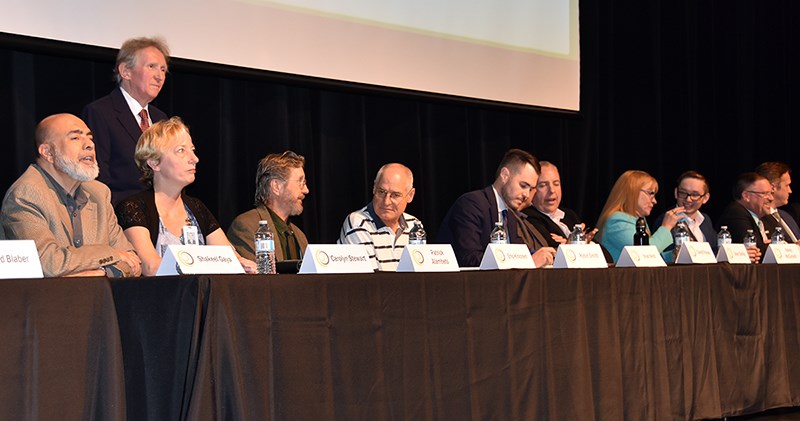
752	201
779	175
470	220
118	119
692	193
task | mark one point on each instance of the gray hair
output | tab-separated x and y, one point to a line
274	166
128	52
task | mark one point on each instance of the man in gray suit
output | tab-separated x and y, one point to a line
58	203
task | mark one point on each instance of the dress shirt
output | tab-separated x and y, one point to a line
136	108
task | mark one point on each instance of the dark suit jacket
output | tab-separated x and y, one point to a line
794	209
707	227
115	133
469	222
546	226
770	222
739	220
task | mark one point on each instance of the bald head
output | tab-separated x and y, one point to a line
46	129
396	171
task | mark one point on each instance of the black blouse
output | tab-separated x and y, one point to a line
140	210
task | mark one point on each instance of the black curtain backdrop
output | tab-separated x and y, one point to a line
665	87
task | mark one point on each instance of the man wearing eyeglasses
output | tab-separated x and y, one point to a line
779	175
470	220
280	190
382	225
753	200
691	194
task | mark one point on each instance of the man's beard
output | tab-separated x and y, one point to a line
75	169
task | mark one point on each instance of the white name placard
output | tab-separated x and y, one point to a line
507	256
579	256
693	252
640	257
19	259
193	260
782	254
428	258
733	253
336	258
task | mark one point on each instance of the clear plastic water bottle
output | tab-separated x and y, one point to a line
498	235
681	236
577	235
749	239
417	234
265	249
724	237
777	236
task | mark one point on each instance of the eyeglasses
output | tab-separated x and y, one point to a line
650	193
394	196
300	181
760	193
683	195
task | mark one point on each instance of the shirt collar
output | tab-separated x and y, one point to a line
280	225
501	204
133	104
556	216
71	202
370	209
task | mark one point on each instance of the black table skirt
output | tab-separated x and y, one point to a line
645	344
61	356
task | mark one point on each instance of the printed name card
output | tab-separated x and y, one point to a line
507	256
194	260
640	257
19	259
428	258
336	258
782	254
733	253
579	256
693	252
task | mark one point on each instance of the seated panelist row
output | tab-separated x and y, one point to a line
756	195
58	203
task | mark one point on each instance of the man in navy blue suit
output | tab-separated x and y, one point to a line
779	175
118	119
470	220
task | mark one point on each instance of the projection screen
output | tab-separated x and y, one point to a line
511	51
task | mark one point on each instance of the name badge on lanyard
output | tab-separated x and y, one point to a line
190	235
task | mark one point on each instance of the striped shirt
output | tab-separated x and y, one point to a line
383	245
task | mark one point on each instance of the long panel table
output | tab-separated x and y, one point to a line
668	343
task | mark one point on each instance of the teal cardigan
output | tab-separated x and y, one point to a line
618	233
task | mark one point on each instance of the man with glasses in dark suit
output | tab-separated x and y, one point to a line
753	200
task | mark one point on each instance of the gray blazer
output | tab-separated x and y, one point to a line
32	211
